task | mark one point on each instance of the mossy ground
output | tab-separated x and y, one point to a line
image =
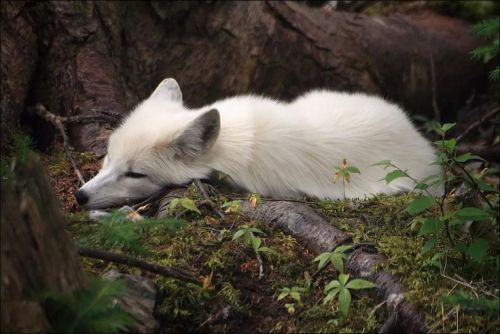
203	244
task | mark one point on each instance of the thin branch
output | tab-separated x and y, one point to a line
87	119
58	123
204	193
135	262
477	123
474	183
221	314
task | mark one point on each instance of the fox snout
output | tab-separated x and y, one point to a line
81	197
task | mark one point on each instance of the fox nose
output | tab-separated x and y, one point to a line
81	197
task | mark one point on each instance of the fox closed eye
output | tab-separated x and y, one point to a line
135	175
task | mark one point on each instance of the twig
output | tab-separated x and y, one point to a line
203	192
135	262
57	121
376	308
443	319
473	289
477	123
223	313
474	183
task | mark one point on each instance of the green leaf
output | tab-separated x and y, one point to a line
344	301
188	204
461	247
382	163
337	261
238	234
429	244
360	284
447	126
472	213
265	249
256	230
430	225
331	285
283	295
343	278
467	156
343	248
295	295
173	203
322	258
478	249
394	175
256	242
447	145
486	187
331	295
419	204
352	169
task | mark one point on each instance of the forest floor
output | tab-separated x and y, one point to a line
229	270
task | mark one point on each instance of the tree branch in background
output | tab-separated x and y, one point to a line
57	121
474	125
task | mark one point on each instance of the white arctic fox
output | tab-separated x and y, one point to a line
273	148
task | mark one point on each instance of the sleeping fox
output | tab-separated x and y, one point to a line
265	146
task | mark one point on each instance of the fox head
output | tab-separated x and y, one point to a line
160	143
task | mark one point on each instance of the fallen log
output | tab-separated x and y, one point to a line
319	235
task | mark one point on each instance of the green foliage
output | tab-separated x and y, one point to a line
185	202
21	146
118	231
449	220
248	234
336	258
344	171
232	296
342	287
488	29
231	206
470	303
89	310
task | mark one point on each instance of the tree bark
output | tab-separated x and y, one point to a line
36	252
103	57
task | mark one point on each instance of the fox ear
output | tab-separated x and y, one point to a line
168	90
198	137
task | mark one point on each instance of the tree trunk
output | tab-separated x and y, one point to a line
36	252
103	57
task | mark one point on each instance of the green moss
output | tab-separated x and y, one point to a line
230	270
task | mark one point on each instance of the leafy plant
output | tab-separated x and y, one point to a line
231	206
185	202
488	29
344	171
470	303
248	234
117	230
342	287
90	310
294	293
336	258
454	170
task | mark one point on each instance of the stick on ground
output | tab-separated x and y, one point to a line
135	262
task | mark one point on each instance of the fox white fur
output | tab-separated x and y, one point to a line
269	147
